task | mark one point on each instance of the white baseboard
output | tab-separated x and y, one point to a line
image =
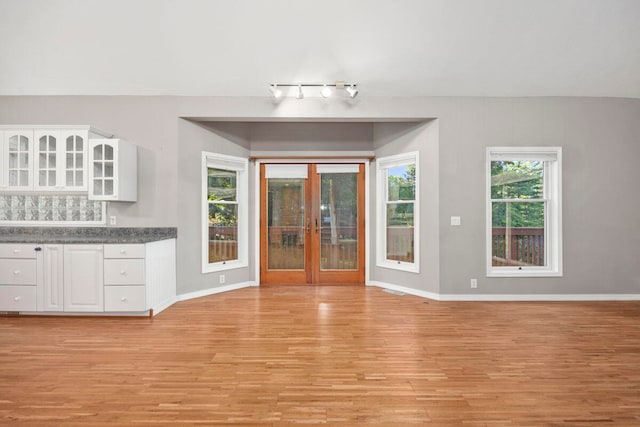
164	305
410	291
506	297
211	291
539	297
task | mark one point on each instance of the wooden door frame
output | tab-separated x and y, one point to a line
365	160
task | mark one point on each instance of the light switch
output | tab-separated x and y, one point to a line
455	220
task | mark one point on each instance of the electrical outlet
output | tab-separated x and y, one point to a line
455	220
474	283
222	278
112	220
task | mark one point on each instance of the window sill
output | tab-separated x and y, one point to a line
223	266
515	272
399	265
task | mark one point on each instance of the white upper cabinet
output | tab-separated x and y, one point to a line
18	159
43	159
113	173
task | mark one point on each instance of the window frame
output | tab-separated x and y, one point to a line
552	197
383	164
239	165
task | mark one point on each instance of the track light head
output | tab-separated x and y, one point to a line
326	91
352	91
299	93
275	92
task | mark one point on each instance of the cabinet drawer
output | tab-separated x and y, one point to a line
124	298
124	272
17	298
17	271
10	250
124	251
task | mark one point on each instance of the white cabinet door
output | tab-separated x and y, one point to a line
18	157
83	278
113	170
74	161
3	160
47	158
53	279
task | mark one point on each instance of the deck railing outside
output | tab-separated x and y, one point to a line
524	246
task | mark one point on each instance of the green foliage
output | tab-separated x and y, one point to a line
221	187
401	186
515	181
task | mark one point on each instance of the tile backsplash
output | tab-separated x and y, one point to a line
43	209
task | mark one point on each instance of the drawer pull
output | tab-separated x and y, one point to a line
16	251
123	299
17	298
16	272
123	273
122	251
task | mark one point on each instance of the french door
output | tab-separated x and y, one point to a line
312	223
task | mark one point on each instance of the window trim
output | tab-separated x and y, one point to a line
241	166
383	164
552	157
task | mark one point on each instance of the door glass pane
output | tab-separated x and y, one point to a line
42	179
13	160
24	143
78	143
24	177
70	143
13	178
517	235
400	232
69	178
43	143
69	161
223	232
79	178
97	152
285	224
52	160
24	160
52	178
339	221
13	143
108	152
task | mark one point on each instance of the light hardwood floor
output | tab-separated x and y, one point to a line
278	356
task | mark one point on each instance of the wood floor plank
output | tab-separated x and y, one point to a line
279	356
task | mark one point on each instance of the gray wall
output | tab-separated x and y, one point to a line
396	138
600	138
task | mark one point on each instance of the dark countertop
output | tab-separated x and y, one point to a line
86	234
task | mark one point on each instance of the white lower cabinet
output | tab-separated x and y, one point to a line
124	278
83	278
18	276
95	278
51	297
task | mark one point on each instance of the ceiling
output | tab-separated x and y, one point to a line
390	48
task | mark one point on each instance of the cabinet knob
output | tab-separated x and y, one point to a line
123	299
16	251
16	272
17	298
122	251
123	273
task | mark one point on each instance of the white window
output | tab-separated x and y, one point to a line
398	212
524	212
224	212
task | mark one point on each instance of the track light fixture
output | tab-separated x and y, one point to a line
275	92
352	91
325	89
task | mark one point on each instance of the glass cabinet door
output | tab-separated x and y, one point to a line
74	148
103	170
18	146
46	158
